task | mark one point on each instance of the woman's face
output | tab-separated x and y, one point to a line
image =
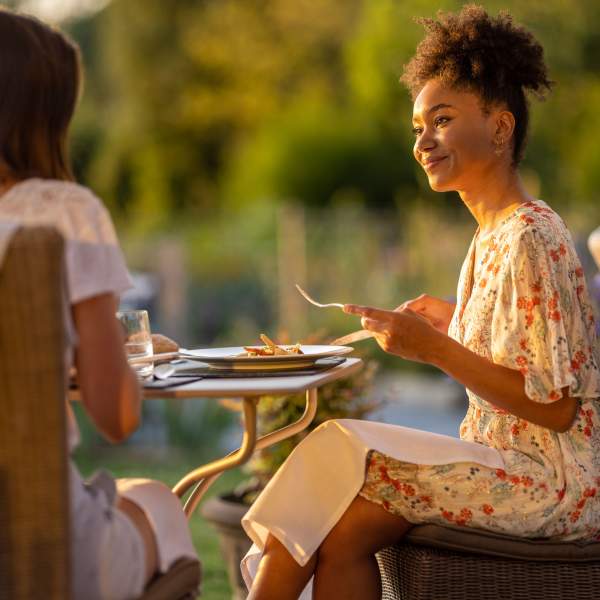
454	138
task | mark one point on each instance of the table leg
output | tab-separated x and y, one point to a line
205	476
233	459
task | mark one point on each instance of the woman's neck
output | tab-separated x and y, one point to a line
495	199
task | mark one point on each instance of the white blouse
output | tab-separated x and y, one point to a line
94	262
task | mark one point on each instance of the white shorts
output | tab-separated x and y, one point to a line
108	554
108	561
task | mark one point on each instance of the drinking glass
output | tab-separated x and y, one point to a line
138	341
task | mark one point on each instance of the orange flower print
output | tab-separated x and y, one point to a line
408	490
465	516
448	515
541	282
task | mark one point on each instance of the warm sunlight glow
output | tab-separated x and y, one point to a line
61	10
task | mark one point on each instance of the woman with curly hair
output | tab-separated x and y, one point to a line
520	338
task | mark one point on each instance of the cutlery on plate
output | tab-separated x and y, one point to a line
319	304
356	336
163	371
153	358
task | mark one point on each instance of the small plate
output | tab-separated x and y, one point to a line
226	358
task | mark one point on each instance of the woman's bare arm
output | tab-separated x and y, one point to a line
109	388
501	386
411	336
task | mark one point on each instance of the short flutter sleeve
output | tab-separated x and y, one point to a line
542	323
94	260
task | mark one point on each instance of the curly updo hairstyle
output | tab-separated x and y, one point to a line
492	57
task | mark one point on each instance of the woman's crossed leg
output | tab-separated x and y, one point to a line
344	566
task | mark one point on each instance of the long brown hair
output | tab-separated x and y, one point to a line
40	79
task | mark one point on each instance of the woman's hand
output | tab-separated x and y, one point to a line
437	312
403	331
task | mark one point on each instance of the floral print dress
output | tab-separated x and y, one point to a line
524	305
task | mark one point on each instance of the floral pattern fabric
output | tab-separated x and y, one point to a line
522	304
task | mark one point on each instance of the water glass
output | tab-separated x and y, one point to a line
138	341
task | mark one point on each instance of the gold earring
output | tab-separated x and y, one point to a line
499	150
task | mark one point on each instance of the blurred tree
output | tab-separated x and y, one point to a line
184	82
190	100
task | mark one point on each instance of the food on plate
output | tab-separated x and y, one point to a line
270	349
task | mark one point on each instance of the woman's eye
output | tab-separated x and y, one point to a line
417	131
440	121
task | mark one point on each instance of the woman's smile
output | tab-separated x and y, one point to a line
432	162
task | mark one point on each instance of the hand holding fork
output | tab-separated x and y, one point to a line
356	336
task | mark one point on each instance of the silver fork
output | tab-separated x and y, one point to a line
319	304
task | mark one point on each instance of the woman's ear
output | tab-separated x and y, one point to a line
505	126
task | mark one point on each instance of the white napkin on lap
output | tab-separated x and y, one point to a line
314	487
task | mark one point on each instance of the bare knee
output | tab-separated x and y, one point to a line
364	529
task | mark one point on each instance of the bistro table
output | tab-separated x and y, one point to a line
250	390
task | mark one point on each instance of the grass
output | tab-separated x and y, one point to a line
169	468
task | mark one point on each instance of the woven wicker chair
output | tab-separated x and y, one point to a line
34	503
435	563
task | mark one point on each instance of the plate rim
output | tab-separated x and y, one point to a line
340	351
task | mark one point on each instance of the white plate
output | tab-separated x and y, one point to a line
226	358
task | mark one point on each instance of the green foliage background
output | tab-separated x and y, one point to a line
201	119
196	105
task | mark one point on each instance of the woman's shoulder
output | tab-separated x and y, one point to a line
65	192
72	207
536	224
